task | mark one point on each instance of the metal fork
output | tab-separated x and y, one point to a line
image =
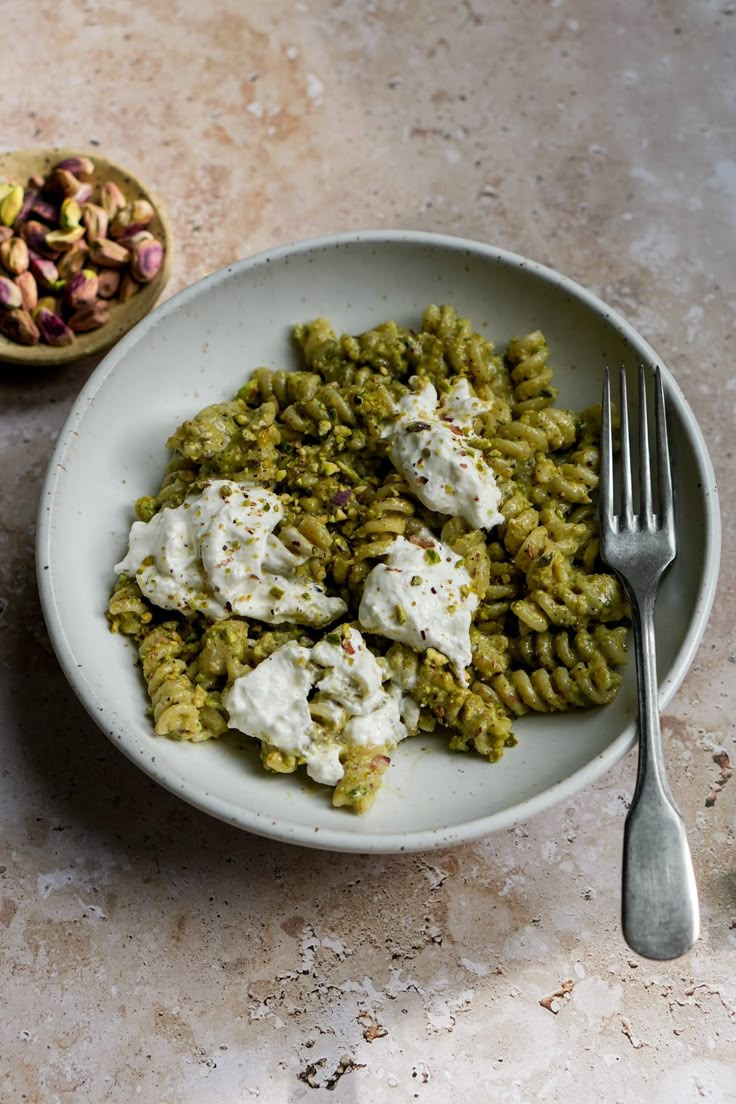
659	897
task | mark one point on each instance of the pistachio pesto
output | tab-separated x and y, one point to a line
399	535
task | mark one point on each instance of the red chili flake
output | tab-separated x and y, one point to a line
422	479
456	430
423	634
378	759
347	647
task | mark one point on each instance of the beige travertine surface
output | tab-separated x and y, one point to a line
151	953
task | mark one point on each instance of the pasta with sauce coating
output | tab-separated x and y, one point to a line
545	623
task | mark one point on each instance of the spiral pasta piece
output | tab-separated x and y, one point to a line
567	532
586	598
550	650
505	582
176	702
490	652
476	723
223	440
280	387
537	431
310	539
224	652
317	415
565	482
531	374
548	691
471	544
464	352
389	515
363	772
588	552
127	610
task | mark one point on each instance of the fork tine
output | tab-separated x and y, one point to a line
645	477
627	510
606	474
666	507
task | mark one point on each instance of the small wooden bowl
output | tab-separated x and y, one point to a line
19	165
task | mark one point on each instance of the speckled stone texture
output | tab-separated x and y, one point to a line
150	953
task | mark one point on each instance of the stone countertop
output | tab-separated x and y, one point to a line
151	953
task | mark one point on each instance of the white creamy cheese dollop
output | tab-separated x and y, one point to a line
422	596
428	444
272	702
353	677
461	406
217	554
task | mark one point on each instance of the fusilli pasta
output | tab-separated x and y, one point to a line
547	625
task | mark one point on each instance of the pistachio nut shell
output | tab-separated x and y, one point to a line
44	271
82	288
112	198
47	302
18	326
90	316
30	195
10	296
73	260
81	167
11	205
54	329
26	284
134	235
64	239
108	283
14	255
70	214
5	233
94	221
145	260
136	214
108	253
37	181
34	235
128	288
61	183
46	211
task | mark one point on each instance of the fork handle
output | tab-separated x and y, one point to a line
659	901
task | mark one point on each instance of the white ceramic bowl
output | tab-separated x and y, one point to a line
198	348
